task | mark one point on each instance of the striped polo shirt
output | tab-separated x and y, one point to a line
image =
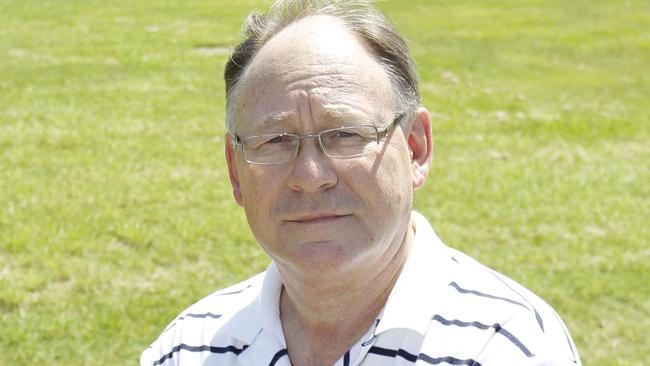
445	309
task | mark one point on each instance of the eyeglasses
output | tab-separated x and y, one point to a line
342	142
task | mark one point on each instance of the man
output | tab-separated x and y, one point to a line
326	143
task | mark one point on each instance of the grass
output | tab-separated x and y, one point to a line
116	211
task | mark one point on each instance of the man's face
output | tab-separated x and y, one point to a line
317	214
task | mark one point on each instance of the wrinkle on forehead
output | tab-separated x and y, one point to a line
310	77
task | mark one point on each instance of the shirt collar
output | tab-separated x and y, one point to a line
268	306
262	313
258	324
417	292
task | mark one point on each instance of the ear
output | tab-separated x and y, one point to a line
419	141
231	157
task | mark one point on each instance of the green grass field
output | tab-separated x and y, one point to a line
115	206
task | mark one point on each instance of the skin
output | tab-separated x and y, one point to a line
338	229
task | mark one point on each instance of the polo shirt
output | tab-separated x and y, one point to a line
445	309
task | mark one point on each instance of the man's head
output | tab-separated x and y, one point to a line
367	24
312	211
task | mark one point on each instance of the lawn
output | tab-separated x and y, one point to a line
115	206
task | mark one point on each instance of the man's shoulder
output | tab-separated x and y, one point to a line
482	302
459	286
476	288
205	322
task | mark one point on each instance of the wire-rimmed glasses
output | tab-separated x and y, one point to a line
341	142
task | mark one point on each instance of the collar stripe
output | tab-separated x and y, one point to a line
482	294
497	328
199	316
281	353
537	316
204	348
422	356
346	359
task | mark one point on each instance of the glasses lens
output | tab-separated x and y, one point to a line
349	141
269	149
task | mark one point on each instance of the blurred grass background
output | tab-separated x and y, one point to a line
115	206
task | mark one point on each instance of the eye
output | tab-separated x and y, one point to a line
281	141
357	133
268	141
345	133
276	139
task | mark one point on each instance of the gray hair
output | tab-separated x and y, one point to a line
358	16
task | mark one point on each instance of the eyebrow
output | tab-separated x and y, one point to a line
273	118
338	115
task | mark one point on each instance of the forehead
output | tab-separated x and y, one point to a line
314	65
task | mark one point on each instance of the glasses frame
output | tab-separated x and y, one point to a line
238	142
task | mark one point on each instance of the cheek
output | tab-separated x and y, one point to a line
257	199
259	186
394	184
393	179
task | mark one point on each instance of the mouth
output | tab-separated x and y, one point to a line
315	218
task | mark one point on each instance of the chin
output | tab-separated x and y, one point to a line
322	257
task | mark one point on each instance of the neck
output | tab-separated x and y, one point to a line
336	312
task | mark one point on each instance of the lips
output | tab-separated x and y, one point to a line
315	218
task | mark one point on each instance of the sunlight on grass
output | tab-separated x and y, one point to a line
117	212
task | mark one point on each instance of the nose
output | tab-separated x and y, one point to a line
311	170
